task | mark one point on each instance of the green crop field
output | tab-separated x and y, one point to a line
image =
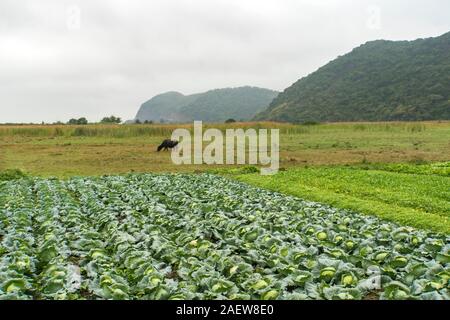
414	195
184	236
357	211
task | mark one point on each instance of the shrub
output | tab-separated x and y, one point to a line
12	174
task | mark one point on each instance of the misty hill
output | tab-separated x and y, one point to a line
215	105
380	80
164	106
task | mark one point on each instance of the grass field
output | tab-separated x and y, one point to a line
65	151
390	174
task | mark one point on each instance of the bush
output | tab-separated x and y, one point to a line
111	119
247	169
82	120
12	174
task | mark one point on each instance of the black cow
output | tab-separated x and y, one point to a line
167	144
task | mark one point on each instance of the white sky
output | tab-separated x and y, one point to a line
62	59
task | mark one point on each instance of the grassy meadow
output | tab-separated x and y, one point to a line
396	170
65	151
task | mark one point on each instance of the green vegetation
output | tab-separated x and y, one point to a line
398	170
215	105
414	195
380	80
111	119
79	121
203	237
12	174
435	168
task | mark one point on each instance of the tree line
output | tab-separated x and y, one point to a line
83	120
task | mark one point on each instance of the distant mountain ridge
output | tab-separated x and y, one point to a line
240	103
377	81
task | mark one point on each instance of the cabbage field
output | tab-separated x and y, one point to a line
181	236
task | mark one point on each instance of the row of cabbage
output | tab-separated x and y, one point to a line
203	237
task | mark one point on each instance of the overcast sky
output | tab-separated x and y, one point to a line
61	59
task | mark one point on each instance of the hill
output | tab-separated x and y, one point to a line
241	103
377	81
163	107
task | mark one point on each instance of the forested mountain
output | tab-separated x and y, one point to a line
379	80
164	107
215	105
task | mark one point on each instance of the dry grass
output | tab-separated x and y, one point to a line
107	149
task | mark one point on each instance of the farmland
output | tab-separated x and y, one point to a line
94	212
395	170
185	236
410	194
66	151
